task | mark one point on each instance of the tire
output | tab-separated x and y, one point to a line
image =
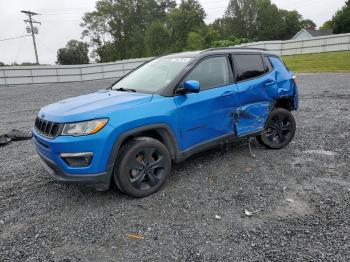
142	167
279	129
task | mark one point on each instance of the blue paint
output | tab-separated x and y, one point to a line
256	97
194	118
204	116
192	86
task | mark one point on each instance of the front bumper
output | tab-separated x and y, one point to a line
98	173
100	181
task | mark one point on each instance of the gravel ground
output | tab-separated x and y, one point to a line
299	195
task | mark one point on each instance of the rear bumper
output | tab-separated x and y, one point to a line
100	181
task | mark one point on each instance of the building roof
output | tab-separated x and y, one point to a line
321	32
309	33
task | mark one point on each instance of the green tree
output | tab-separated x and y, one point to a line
341	20
2	64
194	41
222	43
308	23
241	17
327	25
211	35
232	41
291	24
122	29
259	20
74	53
157	39
222	26
188	17
106	53
269	23
121	25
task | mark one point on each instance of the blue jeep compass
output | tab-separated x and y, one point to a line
165	111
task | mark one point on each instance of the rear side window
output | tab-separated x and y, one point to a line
212	72
249	66
268	65
279	64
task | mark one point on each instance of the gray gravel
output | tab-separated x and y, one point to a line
299	195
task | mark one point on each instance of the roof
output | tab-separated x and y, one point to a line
321	32
185	54
219	50
233	49
309	33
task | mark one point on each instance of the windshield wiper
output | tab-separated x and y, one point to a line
125	89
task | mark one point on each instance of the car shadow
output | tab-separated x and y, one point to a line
202	159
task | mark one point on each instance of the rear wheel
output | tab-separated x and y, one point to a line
142	167
279	130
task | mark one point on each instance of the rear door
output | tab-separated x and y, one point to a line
255	81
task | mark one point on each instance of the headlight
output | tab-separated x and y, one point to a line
84	128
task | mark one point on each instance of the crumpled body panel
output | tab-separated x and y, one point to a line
256	97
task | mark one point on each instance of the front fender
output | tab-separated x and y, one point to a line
164	130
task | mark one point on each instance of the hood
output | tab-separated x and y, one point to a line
91	106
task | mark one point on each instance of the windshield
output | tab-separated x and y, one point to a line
154	75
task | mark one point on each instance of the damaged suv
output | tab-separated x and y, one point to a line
165	111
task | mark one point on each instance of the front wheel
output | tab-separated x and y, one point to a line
142	167
279	130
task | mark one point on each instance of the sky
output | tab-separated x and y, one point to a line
60	22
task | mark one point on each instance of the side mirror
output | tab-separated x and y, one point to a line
192	86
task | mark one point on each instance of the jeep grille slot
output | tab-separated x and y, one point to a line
47	128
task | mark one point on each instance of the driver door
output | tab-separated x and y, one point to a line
207	115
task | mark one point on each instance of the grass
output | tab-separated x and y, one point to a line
320	62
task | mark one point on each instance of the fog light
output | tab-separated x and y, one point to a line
77	159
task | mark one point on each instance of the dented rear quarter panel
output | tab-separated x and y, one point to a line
256	97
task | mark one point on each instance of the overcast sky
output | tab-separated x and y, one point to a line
61	22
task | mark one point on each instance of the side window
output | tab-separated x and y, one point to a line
268	65
249	66
279	64
212	72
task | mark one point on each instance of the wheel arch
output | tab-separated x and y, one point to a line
285	102
161	132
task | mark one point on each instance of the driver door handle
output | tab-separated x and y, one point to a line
228	93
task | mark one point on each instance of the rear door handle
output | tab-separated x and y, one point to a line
269	83
228	93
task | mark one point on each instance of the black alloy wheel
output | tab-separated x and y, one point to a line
279	130
143	166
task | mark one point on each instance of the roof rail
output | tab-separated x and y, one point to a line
235	47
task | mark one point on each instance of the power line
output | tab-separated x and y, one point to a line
19	48
64	13
11	38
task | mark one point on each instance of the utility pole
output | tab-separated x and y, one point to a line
31	22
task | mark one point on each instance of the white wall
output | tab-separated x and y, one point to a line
306	46
15	75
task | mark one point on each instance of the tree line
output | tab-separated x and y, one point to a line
340	22
124	29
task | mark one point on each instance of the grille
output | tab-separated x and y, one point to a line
47	128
